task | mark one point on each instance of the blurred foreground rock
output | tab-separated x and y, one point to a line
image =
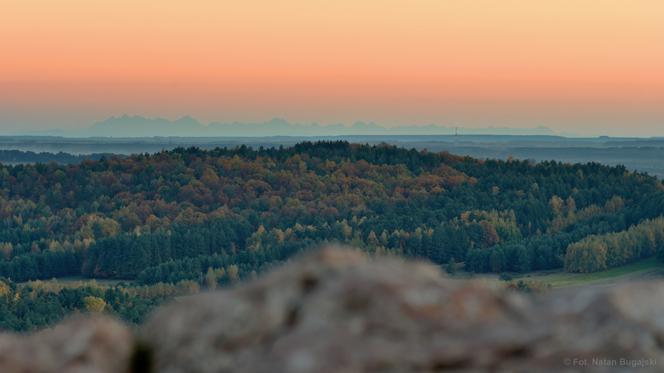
339	311
94	345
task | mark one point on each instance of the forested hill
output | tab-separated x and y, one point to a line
221	215
25	157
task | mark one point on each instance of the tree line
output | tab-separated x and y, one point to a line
599	252
38	304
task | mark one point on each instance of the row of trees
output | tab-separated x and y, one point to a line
547	250
599	252
19	156
37	304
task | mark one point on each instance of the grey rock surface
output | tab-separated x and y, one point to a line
78	345
337	310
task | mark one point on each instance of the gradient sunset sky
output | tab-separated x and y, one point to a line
582	66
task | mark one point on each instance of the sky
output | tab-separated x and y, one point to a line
581	66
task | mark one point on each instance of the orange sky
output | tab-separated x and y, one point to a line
588	66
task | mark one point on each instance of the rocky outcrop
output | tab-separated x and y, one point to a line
90	345
339	311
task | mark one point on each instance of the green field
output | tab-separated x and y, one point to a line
647	269
641	270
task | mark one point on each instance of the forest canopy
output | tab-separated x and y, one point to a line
225	214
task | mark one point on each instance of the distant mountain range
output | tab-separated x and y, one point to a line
137	126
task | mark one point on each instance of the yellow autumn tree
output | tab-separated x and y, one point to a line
94	304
